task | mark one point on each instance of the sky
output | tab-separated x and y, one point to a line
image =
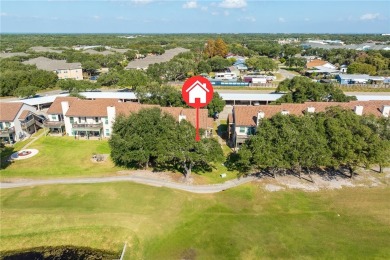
194	16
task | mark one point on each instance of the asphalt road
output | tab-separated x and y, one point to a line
286	74
212	188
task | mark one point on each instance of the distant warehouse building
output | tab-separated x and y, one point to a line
358	79
63	69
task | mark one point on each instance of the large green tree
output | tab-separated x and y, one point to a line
152	138
76	86
261	63
362	68
216	105
302	89
337	138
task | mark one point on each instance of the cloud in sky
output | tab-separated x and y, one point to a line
369	16
281	20
233	4
190	5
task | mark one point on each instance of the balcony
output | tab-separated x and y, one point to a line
87	127
7	132
54	124
27	124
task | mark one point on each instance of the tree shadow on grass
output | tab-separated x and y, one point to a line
6	152
197	169
222	131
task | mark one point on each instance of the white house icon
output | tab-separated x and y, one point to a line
197	90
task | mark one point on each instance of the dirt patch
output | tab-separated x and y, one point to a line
271	187
99	158
363	178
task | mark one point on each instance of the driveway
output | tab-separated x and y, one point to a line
286	74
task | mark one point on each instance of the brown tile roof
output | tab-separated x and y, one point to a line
91	108
24	114
315	63
247	115
126	108
230	118
8	111
56	108
129	107
98	108
190	114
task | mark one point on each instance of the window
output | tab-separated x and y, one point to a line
242	129
54	117
107	132
96	120
106	120
71	120
7	124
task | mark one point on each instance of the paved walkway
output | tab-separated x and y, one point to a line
211	188
34	138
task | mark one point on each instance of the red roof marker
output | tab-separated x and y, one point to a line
197	92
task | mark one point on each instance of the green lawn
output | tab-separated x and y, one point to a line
61	157
243	223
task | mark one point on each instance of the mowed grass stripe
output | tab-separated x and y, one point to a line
243	223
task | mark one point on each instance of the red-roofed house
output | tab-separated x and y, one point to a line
320	63
94	118
17	121
244	119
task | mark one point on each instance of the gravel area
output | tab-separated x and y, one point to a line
364	178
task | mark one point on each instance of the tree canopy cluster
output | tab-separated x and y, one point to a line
22	80
216	47
261	63
372	62
336	138
151	138
302	89
21	43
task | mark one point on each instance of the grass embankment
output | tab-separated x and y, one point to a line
243	223
61	157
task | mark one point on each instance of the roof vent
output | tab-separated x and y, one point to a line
182	116
359	110
311	109
260	115
285	112
386	111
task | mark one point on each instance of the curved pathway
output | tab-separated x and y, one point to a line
211	188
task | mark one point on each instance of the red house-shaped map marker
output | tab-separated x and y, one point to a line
197	92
